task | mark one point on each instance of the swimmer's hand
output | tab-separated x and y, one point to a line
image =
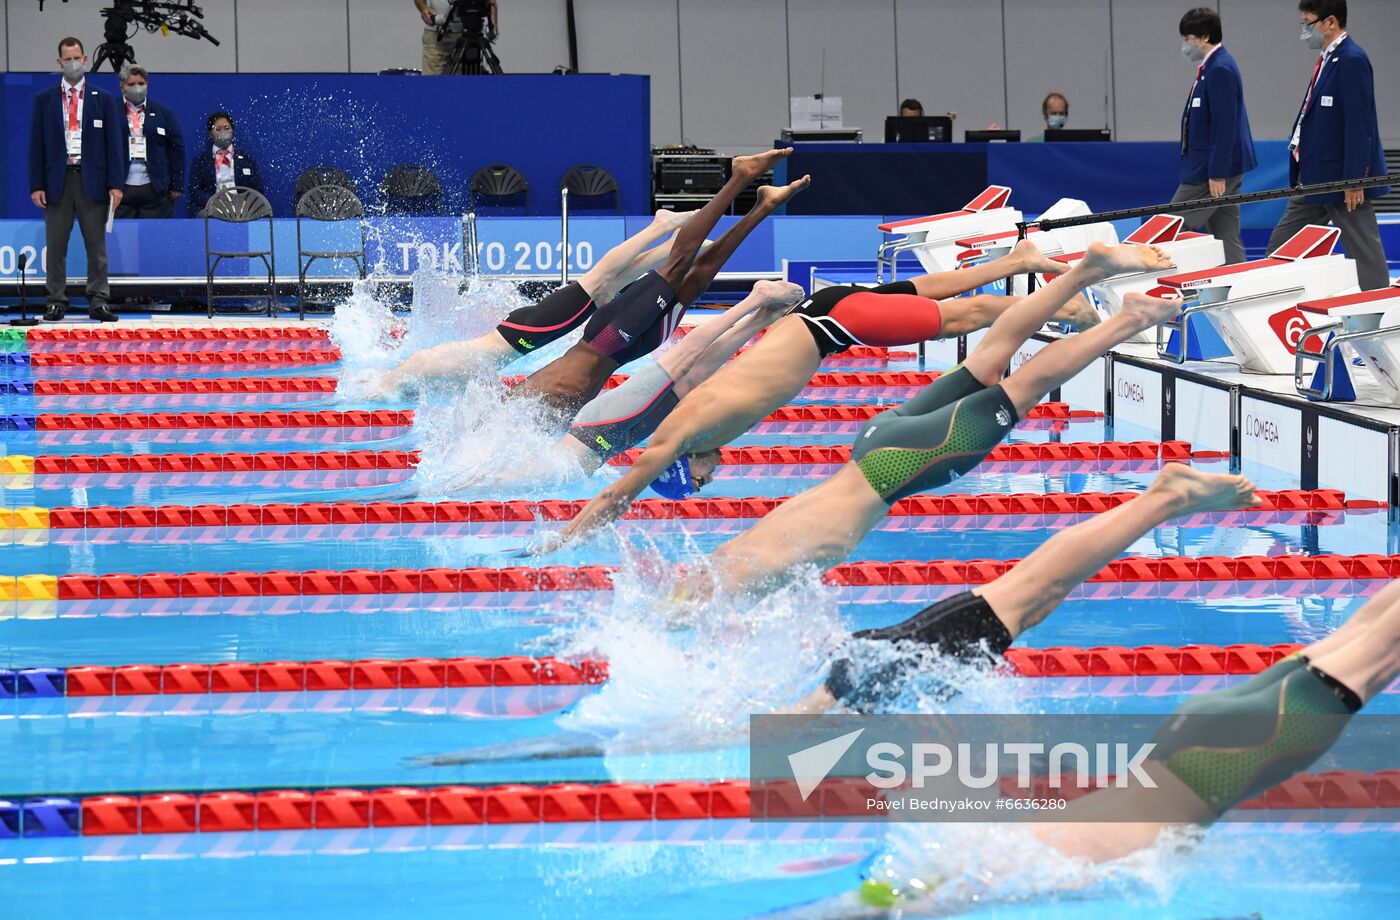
543	544
368	386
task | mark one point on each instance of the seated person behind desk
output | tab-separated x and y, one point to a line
913	108
155	151
1055	110
221	165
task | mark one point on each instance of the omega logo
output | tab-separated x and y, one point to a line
1261	429
1127	389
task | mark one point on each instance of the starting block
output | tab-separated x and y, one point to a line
1253	306
1190	252
1366	325
933	239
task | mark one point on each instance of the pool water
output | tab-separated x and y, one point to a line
370	738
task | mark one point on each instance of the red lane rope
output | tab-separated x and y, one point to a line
164	421
453	512
523	671
398	806
174	334
393	418
169	585
183	358
265	385
305	461
312	333
296	676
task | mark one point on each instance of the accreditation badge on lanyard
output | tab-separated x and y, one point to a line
72	124
136	143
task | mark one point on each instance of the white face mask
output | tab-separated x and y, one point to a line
1192	52
1311	38
1056	121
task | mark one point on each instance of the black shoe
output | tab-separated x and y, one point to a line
101	314
54	313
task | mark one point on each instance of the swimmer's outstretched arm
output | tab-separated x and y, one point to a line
611	503
445	363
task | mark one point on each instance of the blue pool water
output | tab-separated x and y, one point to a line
707	869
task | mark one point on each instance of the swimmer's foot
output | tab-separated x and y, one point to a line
771	197
776	296
1079	313
671	220
1143	312
1031	259
1194	491
751	167
1106	261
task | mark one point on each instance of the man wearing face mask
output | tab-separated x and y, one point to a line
221	165
1055	110
155	151
1216	145
76	168
1337	136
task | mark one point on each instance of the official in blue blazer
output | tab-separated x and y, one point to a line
76	167
155	150
1337	136
1216	146
221	164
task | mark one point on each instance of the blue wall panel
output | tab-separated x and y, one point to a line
541	124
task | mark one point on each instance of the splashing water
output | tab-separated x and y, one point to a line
370	335
945	868
372	338
483	439
676	688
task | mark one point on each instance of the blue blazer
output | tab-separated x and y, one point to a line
104	146
1215	139
165	146
203	184
1340	138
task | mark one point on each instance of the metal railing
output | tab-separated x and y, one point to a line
564	235
471	256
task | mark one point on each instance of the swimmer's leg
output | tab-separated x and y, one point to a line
1031	590
713	341
1024	258
698	277
989	360
1055	364
623	263
691	237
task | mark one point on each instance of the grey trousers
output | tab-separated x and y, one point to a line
1221	223
58	227
1361	235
